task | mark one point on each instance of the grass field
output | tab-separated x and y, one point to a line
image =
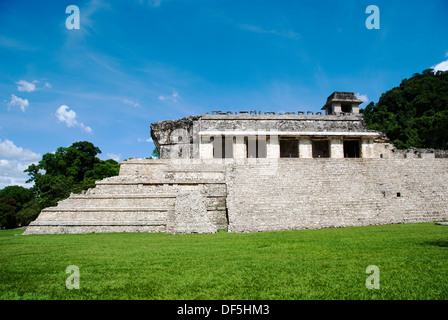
307	264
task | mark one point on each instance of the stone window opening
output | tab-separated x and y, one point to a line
320	148
346	108
352	149
289	147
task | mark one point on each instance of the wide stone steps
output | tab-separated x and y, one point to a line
102	202
136	202
99	223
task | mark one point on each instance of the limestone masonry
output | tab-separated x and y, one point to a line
250	171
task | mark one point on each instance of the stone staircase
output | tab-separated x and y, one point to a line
145	197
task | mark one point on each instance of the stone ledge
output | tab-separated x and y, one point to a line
93	229
121	196
107	209
303	117
216	208
291	133
98	223
161	182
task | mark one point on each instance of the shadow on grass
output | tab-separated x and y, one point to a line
438	243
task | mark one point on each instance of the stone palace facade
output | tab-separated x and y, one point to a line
250	171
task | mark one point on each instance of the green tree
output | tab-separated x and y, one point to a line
8	209
414	114
155	154
28	213
12	200
68	170
20	194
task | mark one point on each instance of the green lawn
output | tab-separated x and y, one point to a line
306	264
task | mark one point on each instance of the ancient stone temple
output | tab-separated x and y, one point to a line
340	133
251	171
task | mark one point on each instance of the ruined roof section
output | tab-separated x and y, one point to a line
343	96
173	124
339	96
161	131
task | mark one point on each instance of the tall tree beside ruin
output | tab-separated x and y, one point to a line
71	169
414	114
15	202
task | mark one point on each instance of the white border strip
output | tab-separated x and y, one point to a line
287	133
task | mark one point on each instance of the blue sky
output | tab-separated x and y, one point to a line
135	62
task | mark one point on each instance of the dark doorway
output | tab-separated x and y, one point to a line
346	108
351	149
289	148
321	149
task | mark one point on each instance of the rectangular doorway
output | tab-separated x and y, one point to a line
321	148
352	149
289	148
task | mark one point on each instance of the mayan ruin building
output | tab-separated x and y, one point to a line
252	171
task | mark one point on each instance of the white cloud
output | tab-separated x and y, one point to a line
442	66
132	103
9	150
114	156
172	97
362	97
23	85
85	128
18	159
69	118
19	102
144	140
11	173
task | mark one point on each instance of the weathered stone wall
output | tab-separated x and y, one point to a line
320	193
190	214
176	138
283	123
252	195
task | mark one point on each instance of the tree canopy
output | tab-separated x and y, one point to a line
13	202
414	114
67	170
